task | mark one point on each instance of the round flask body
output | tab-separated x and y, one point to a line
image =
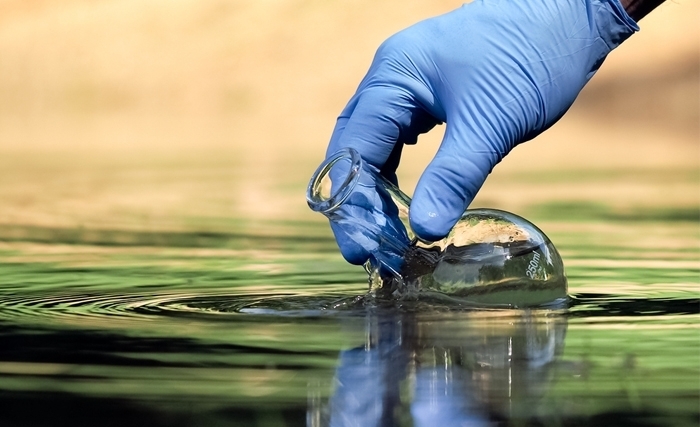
490	257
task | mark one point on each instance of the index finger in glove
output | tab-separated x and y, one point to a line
376	123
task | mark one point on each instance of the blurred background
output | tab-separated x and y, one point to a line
211	115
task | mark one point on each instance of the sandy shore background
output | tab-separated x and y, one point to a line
133	112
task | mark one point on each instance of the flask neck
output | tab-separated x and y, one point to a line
365	206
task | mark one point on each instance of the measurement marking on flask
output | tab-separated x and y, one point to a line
532	267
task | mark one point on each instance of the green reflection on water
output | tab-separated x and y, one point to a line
144	322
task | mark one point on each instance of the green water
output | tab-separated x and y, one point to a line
227	321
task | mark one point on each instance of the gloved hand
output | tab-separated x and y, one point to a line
497	72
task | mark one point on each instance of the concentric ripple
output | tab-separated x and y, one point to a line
148	306
215	305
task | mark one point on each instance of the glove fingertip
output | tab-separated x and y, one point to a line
428	222
443	193
351	251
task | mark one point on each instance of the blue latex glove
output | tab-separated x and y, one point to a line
497	72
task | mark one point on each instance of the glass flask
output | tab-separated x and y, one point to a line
490	257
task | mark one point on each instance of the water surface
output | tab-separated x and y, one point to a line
259	322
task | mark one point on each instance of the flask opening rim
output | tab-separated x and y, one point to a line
314	196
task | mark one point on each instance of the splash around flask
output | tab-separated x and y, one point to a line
490	257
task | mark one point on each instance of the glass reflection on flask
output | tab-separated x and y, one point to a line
490	257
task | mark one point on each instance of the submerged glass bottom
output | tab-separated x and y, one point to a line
479	274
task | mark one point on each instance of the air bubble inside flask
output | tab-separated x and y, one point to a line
490	257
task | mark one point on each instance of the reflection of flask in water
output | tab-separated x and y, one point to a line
489	256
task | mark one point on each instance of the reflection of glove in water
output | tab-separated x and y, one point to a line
446	371
498	72
443	399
